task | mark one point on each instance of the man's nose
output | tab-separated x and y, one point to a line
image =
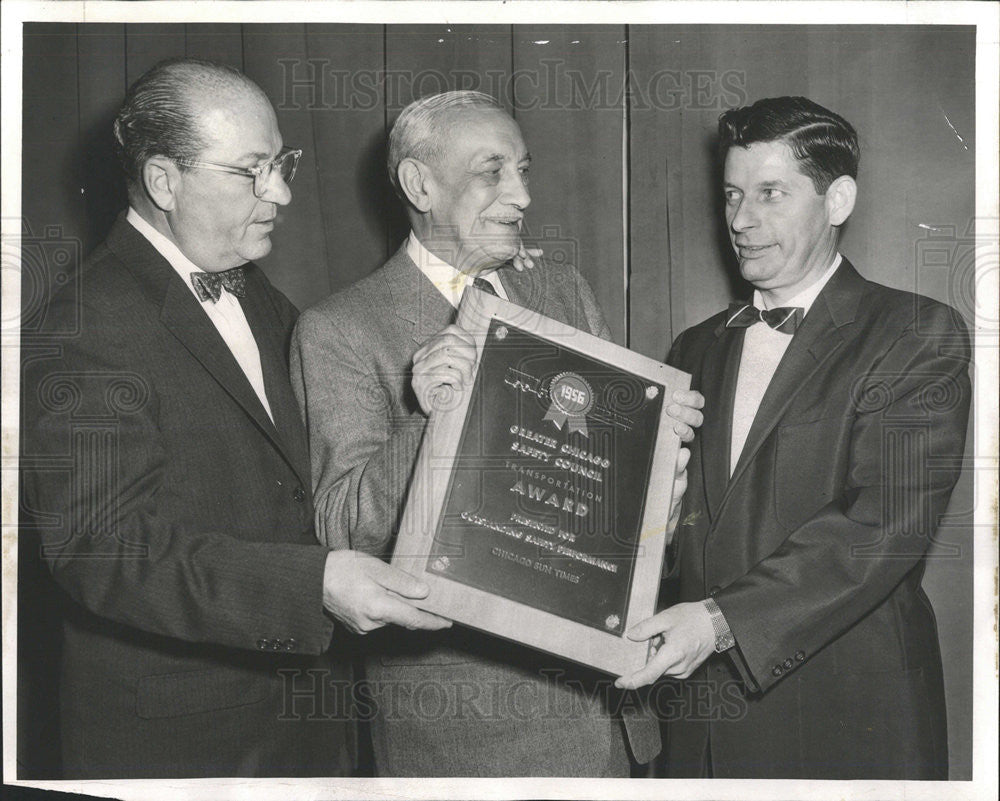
276	190
744	217
515	192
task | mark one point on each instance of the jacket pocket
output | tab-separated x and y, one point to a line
170	695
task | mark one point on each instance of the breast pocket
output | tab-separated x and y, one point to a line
809	467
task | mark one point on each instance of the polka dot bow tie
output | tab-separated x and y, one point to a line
209	286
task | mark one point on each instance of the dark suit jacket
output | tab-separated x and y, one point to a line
814	548
503	709
179	524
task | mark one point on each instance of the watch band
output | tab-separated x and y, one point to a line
724	639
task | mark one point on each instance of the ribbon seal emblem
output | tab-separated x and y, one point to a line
571	398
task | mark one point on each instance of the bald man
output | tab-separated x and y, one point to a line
199	601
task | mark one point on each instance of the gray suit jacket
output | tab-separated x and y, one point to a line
449	703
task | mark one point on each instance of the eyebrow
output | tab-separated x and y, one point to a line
501	157
775	184
256	156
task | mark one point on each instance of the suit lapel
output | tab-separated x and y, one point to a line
417	303
527	289
720	369
268	333
815	342
182	316
518	286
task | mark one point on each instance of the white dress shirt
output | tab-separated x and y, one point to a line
226	314
450	282
763	348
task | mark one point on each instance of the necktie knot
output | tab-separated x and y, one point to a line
209	286
785	319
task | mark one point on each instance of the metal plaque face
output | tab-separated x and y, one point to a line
544	504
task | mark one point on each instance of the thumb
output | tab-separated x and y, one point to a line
397	581
683	457
645	629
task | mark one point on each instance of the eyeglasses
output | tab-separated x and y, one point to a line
286	162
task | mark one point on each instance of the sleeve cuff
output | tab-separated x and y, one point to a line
724	639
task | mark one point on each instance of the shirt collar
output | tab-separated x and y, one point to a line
450	282
807	296
181	263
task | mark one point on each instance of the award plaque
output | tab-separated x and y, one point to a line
539	504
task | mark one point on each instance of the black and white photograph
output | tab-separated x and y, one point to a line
522	400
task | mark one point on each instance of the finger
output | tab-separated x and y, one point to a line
400	613
453	378
456	355
659	665
680	487
650	627
457	332
453	336
397	581
683	457
685	414
434	347
439	364
689	397
685	432
521	259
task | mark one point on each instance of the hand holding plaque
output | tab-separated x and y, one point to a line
539	506
442	366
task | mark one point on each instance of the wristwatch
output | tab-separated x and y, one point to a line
724	639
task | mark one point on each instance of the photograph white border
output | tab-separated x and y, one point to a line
985	16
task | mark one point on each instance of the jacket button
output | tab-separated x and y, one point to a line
290	644
788	664
776	670
800	656
714	590
299	494
262	645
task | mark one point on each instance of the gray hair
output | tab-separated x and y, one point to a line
419	130
159	116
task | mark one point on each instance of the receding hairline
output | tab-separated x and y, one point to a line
214	87
451	115
205	101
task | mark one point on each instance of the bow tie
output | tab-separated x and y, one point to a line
209	286
785	319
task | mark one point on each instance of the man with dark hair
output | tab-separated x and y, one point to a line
199	601
835	421
366	366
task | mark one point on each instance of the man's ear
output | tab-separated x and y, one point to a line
840	197
161	179
413	177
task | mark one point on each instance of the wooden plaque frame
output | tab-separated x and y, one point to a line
579	642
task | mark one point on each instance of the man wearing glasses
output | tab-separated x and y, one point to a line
200	602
